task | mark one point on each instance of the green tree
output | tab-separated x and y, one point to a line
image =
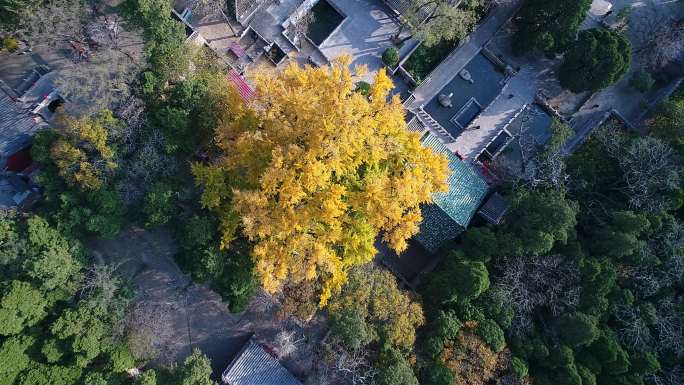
435	20
85	330
393	369
50	260
167	55
542	219
120	359
237	280
14	358
106	212
195	370
620	236
52	350
490	332
148	377
389	313
578	329
40	374
519	367
390	57
456	280
642	81
12	10
21	306
481	243
442	329
11	244
351	328
159	204
548	25
668	123
645	363
596	60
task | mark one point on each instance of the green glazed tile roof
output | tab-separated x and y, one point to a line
467	188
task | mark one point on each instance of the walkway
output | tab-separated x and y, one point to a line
462	54
518	92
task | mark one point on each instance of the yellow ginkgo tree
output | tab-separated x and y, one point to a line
313	172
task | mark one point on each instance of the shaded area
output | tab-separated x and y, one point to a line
425	59
326	19
407	265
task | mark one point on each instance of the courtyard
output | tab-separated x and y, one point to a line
182	315
364	34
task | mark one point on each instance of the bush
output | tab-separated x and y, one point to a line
363	88
519	367
391	57
436	374
237	281
642	81
9	43
159	204
490	332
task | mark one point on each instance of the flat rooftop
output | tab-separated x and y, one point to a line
468	98
531	129
534	122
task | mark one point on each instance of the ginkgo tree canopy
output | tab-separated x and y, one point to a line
313	172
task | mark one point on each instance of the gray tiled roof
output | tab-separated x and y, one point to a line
254	366
494	209
243	9
17	126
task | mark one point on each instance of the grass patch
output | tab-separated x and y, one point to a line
424	59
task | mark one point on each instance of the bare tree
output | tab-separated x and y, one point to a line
149	326
337	365
649	168
208	7
632	330
659	38
547	281
670	325
670	376
55	23
648	164
147	161
100	81
298	29
286	343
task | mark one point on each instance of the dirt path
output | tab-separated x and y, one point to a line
194	315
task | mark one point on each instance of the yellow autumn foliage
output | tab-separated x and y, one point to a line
81	151
315	171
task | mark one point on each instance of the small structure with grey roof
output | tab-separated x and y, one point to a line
17	127
494	209
451	212
16	192
255	366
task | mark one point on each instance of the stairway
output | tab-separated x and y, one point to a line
433	125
